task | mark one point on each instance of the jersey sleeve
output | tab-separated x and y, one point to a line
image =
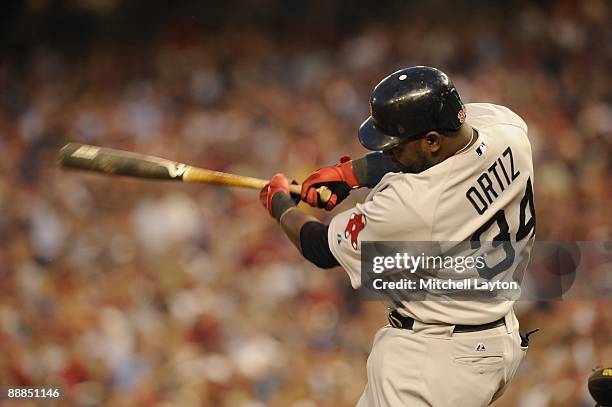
388	216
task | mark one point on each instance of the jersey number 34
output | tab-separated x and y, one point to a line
503	238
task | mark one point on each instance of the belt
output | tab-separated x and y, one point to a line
397	320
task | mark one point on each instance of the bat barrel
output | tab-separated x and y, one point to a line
119	162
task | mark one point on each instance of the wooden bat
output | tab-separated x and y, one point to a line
120	162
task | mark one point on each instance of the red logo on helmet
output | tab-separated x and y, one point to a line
355	225
461	114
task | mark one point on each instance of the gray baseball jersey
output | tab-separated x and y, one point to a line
483	193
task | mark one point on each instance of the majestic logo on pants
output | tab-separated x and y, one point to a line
355	225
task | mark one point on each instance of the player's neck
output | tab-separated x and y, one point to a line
463	141
453	145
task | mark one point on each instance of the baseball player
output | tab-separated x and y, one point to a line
440	171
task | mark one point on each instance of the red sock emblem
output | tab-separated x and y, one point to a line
355	225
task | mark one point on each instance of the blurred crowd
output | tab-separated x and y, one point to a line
129	292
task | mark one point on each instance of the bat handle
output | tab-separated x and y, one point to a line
324	192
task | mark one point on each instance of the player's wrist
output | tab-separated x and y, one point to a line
281	202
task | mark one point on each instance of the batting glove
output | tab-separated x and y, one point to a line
340	179
275	196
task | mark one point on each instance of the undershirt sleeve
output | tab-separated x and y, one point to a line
315	247
370	168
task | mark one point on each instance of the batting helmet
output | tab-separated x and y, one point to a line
600	386
408	104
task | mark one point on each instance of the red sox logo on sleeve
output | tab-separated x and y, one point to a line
354	226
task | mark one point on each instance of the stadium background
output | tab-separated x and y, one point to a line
128	292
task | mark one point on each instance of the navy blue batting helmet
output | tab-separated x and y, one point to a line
409	103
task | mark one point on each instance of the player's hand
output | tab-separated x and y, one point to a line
278	184
339	178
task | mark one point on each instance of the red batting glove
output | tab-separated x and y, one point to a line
278	183
340	178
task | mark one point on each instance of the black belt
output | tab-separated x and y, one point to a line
397	320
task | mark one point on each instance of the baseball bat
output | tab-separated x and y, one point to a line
120	162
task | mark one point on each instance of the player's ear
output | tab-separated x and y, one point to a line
431	141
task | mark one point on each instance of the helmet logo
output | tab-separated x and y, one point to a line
461	114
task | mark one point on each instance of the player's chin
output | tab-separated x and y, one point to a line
410	168
418	166
401	167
